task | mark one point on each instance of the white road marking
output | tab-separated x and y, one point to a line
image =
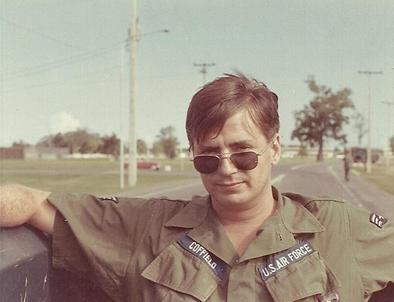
351	194
278	179
296	167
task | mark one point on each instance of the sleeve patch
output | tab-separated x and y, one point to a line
377	220
109	198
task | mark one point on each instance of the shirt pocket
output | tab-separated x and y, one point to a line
180	276
307	280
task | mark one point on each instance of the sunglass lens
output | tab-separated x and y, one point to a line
244	160
206	164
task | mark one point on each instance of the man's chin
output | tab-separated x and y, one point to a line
229	198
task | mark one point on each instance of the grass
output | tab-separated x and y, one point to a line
93	176
99	176
382	175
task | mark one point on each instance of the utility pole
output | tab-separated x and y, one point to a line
132	167
133	38
389	104
369	153
203	70
121	151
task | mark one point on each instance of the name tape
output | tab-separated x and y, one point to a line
277	262
218	266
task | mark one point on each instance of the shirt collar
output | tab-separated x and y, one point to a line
206	229
277	232
290	207
295	216
192	215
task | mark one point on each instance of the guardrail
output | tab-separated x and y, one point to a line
26	273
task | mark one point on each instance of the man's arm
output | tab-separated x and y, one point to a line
20	204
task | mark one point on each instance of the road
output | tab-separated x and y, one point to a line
313	179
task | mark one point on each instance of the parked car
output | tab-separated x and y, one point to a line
143	164
148	165
359	155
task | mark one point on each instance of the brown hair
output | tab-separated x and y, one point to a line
218	100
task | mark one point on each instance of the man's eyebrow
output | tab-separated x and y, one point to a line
243	143
209	149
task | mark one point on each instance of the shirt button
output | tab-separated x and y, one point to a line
236	261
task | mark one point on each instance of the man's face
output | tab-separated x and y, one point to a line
228	185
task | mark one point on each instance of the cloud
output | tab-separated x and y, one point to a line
63	122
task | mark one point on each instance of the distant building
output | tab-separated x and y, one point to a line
11	153
291	151
45	153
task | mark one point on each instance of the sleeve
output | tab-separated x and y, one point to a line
373	247
96	237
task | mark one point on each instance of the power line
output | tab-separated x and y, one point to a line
80	80
58	63
37	33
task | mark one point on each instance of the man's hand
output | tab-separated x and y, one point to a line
20	204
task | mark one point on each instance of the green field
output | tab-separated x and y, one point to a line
102	176
382	175
93	176
97	176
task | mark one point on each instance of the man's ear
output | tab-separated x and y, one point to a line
275	150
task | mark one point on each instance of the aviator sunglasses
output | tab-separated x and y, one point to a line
244	160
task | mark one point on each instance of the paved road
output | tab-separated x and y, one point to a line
315	179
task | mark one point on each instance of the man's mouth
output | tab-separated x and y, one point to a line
229	184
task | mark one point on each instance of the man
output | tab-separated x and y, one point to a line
244	242
347	163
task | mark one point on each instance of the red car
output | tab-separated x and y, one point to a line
145	165
148	165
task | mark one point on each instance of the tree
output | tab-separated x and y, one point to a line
167	141
392	144
59	141
77	141
83	141
156	149
110	145
20	144
142	147
323	118
360	124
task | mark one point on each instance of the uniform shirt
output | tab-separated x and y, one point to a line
173	250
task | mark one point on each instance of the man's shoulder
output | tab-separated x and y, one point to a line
323	208
315	202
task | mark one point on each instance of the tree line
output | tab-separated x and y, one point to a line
84	141
322	119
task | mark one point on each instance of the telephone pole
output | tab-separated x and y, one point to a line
203	70
369	153
389	104
132	162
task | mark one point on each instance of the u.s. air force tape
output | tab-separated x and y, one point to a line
277	262
218	266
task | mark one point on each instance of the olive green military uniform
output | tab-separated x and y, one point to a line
165	250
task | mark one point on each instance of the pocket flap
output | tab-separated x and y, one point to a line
181	271
309	277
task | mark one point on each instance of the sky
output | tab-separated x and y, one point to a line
63	64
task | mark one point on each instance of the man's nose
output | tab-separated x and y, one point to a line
226	166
